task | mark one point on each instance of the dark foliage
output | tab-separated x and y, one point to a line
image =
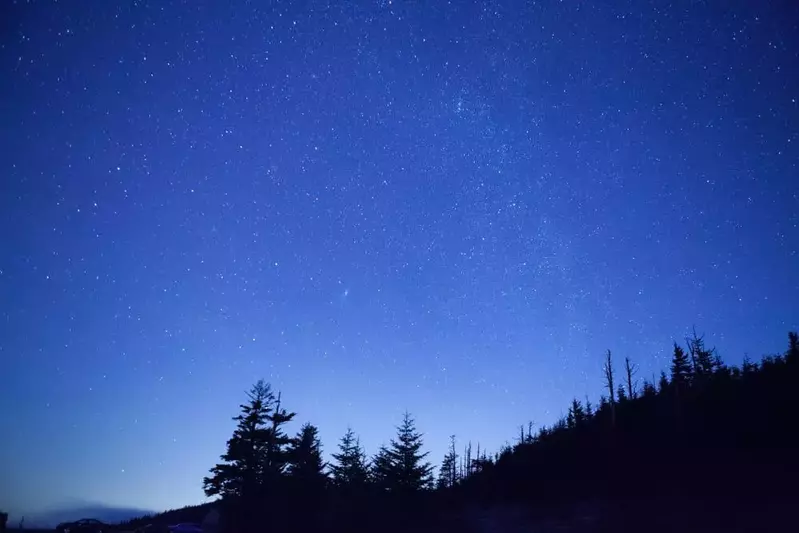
253	467
686	457
306	465
408	472
710	448
350	469
448	475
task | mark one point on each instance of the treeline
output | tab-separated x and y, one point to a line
265	469
708	447
689	447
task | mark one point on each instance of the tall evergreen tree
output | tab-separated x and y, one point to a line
382	469
576	415
278	442
240	472
306	465
702	360
448	474
680	368
407	471
792	355
350	468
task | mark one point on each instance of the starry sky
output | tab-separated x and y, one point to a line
452	208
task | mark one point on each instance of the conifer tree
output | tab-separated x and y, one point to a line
382	469
792	355
603	406
306	465
240	472
305	482
350	468
680	368
448	474
576	415
405	470
278	442
701	358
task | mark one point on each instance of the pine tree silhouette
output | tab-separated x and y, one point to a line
239	473
702	359
680	368
576	415
448	473
350	467
382	469
305	458
704	411
589	408
277	452
402	465
792	355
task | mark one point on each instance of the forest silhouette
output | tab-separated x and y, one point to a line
708	447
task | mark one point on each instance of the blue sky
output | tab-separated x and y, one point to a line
453	209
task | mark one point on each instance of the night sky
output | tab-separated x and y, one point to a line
452	208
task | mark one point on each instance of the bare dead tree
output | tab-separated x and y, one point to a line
467	459
608	371
630	369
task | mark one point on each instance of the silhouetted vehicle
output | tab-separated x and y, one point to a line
85	525
186	528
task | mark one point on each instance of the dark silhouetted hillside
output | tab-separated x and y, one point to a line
709	447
